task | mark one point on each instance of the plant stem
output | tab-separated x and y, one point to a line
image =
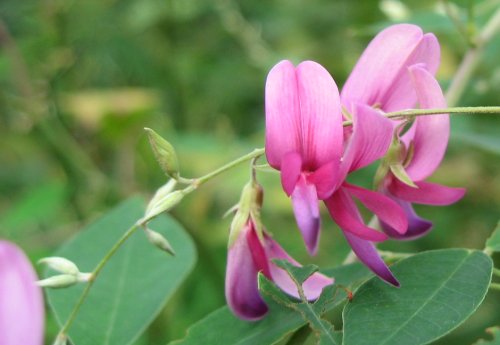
496	271
471	60
95	273
436	111
495	286
254	154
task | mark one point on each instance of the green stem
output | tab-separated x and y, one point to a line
472	59
95	273
496	271
436	111
495	286
254	154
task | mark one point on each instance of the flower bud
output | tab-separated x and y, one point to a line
162	205
164	153
161	193
59	281
62	339
159	241
61	265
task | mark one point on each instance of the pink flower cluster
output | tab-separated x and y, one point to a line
307	143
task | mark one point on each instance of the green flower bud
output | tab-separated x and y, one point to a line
61	339
159	241
161	193
59	281
162	205
164	153
61	265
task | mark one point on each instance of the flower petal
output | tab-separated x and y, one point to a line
291	167
372	135
21	301
306	210
380	64
401	93
312	286
283	123
345	213
321	118
242	294
384	207
427	193
367	253
417	227
431	133
326	179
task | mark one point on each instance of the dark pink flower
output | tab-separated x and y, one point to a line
21	300
304	138
249	255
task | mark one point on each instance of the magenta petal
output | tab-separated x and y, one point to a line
380	65
427	193
417	227
21	301
242	294
367	253
372	134
306	210
431	133
283	122
401	94
291	167
384	207
321	119
312	286
345	213
326	179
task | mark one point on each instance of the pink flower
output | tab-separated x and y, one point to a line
304	138
422	148
395	71
21	301
247	256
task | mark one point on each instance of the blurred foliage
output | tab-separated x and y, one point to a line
80	79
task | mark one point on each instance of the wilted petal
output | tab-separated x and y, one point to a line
417	227
367	253
380	65
426	193
431	133
242	294
321	118
291	167
283	122
382	206
306	210
21	301
345	213
312	286
372	135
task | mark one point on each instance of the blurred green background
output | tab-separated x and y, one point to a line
80	79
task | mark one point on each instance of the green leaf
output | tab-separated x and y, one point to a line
493	242
298	273
133	287
439	290
495	334
275	326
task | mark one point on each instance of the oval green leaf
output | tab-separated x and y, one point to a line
439	290
133	287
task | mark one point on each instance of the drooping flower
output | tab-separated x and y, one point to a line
420	151
251	250
21	301
304	138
